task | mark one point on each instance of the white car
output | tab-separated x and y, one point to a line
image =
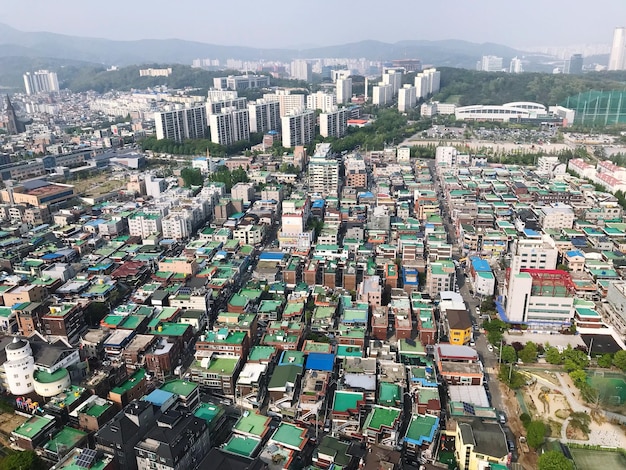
490	347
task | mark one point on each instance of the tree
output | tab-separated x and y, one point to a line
577	357
606	360
529	353
619	360
555	460
192	177
535	434
579	377
27	460
553	356
509	354
511	377
525	419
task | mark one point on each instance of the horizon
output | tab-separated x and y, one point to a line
552	26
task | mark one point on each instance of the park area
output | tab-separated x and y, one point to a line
588	459
611	388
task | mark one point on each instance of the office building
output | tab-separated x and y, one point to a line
382	94
230	126
575	65
41	81
344	90
534	253
406	98
409	65
490	63
617	59
301	70
264	116
334	123
516	65
298	128
323	101
241	82
181	124
288	102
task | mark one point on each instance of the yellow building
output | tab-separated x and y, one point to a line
478	444
459	326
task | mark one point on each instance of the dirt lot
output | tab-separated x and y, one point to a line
8	422
527	459
98	184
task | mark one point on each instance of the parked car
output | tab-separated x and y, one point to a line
490	348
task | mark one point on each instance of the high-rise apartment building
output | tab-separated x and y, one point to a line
264	116
288	102
490	63
344	90
393	77
301	70
617	59
516	65
406	98
41	81
215	106
241	82
323	101
229	126
382	94
181	124
334	123
427	83
298	128
575	65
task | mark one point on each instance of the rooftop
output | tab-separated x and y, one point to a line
181	388
252	423
32	427
380	417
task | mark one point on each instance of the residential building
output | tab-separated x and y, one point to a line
41	81
289	102
298	128
617	58
393	77
241	82
324	172
334	123
343	90
440	276
181	124
264	116
144	225
229	126
382	94
301	70
480	444
406	98
370	291
490	63
325	102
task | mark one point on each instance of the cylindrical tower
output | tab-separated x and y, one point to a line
19	367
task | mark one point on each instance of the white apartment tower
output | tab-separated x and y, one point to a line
41	81
491	63
516	65
406	98
288	102
427	83
344	90
334	123
230	126
181	124
264	116
617	59
324	177
323	101
298	128
301	70
393	77
382	94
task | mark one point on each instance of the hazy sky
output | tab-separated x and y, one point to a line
289	23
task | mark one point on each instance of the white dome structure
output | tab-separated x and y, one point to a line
19	367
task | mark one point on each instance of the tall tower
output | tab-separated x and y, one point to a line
13	126
618	50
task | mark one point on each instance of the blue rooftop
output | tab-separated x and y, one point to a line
572	253
320	361
271	256
531	233
158	397
318	204
50	256
480	264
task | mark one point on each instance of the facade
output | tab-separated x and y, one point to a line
41	81
334	123
382	94
490	63
298	128
324	176
229	126
301	70
343	90
480	444
264	116
406	98
181	124
617	59
241	82
325	102
288	102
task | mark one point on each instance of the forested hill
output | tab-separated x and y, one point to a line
465	87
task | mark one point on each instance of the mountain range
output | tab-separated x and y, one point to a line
15	43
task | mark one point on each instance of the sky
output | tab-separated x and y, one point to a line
296	23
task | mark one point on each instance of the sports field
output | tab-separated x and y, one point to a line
586	459
612	388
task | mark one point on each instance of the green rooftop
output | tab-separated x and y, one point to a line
225	336
252	423
261	353
223	365
171	329
96	410
135	379
290	435
182	388
344	350
210	413
381	417
46	378
67	438
32	427
388	394
241	445
347	401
